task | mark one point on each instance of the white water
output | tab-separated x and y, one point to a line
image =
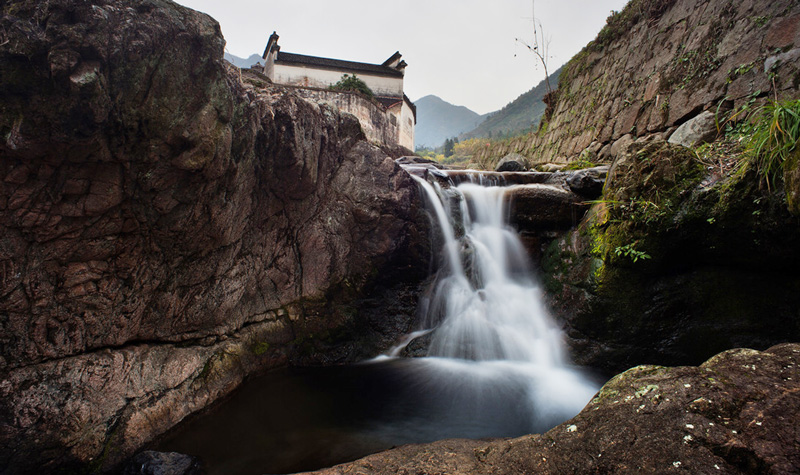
486	315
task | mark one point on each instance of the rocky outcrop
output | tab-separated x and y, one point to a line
168	229
675	263
735	413
659	63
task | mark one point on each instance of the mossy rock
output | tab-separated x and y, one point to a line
791	180
719	272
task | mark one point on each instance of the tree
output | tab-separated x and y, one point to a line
539	46
449	145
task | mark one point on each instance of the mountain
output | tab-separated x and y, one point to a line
519	115
438	120
242	62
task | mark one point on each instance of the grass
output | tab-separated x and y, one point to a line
774	134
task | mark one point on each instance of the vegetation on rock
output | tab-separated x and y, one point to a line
680	249
354	84
772	140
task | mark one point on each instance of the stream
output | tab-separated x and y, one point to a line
496	365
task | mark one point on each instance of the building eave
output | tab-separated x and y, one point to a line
292	59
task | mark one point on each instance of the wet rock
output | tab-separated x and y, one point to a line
588	182
696	131
163	463
415	160
513	162
544	207
735	413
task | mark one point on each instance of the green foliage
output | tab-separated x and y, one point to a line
352	83
449	146
630	251
773	137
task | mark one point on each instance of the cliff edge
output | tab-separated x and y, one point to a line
168	229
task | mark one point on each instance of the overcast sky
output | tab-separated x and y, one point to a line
463	51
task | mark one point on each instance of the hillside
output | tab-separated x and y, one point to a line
243	62
521	114
438	120
657	65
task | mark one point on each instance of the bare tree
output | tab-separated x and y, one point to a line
539	46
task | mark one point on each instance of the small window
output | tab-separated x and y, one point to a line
393	119
410	124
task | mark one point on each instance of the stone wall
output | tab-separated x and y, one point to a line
660	63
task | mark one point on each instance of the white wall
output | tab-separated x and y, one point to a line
406	138
313	77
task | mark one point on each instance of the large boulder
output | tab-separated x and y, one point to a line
589	181
696	131
513	162
169	229
541	206
670	267
735	413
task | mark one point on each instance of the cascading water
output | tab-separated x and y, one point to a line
486	314
494	312
495	366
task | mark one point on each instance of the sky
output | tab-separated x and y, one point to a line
464	51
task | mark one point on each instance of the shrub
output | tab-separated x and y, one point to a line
352	83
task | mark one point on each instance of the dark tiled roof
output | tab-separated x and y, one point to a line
392	58
337	64
389	101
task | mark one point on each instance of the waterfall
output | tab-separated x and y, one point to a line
490	307
485	315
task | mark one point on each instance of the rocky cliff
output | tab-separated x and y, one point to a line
658	64
168	229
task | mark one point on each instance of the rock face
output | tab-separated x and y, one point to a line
735	413
659	63
168	230
671	267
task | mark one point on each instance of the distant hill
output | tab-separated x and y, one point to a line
242	62
519	115
438	120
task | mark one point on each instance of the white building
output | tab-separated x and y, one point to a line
385	80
